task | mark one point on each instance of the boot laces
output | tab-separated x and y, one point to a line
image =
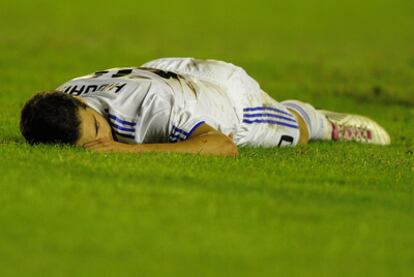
349	132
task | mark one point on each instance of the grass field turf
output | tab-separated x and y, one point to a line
323	210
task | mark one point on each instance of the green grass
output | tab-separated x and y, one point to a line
325	209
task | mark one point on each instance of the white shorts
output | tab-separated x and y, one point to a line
262	120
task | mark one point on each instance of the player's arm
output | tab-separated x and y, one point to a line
205	140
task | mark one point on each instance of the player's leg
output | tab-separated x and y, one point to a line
327	125
303	128
317	124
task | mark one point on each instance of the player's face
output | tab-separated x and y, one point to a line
93	126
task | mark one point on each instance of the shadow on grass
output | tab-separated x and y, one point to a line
381	96
12	140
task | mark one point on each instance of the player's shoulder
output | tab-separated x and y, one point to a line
135	74
132	73
138	75
119	79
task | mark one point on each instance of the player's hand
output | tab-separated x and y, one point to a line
107	145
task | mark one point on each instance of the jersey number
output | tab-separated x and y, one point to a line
285	138
162	73
119	73
126	71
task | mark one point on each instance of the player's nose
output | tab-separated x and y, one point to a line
110	134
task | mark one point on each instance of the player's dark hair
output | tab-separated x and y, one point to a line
51	117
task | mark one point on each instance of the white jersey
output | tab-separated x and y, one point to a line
166	100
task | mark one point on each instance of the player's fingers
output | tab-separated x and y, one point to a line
94	142
97	145
103	144
100	148
91	143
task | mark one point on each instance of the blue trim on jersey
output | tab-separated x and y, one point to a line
269	115
178	134
195	127
270	122
122	121
175	139
122	128
264	108
178	130
124	135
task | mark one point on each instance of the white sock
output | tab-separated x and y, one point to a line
318	125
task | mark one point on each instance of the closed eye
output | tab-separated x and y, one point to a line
96	126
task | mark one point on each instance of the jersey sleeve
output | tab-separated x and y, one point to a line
183	124
164	120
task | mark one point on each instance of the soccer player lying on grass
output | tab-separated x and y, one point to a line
181	105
